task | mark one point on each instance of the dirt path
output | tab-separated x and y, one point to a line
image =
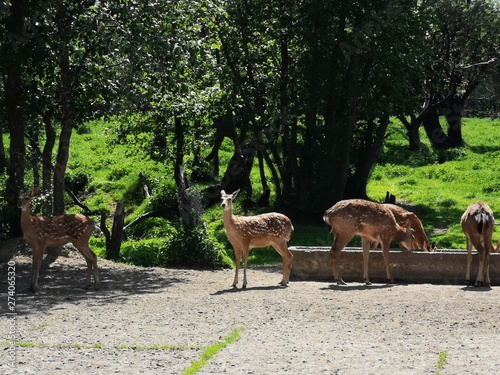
157	321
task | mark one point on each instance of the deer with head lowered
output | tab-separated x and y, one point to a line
245	232
41	232
477	223
374	222
402	216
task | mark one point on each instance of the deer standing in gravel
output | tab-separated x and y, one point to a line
246	232
41	232
477	224
374	222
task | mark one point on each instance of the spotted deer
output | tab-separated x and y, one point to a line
402	216
374	222
41	232
477	223
246	232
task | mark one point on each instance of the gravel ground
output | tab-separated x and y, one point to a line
158	321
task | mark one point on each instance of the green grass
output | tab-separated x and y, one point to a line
443	356
439	185
208	351
99	345
212	350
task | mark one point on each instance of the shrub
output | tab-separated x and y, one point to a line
165	199
77	180
193	248
143	252
152	227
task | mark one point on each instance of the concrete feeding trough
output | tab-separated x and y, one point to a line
441	267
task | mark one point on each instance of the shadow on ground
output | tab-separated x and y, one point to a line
63	281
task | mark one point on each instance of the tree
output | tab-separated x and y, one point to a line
464	44
309	78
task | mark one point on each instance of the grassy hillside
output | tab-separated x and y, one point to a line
112	160
439	186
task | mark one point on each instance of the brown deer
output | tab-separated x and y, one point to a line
246	232
477	224
374	222
41	232
402	216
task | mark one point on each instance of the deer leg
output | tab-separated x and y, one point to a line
469	261
287	256
91	260
37	263
337	247
237	260
245	261
89	272
385	253
366	256
487	265
480	272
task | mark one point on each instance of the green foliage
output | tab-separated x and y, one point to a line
77	180
143	252
193	248
152	227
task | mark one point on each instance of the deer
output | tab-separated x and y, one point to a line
41	232
402	216
477	224
374	222
246	232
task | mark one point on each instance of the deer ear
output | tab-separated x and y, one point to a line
222	193
408	224
235	194
36	190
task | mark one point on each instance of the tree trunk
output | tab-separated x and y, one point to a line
47	168
67	116
114	239
3	161
15	122
453	115
412	127
263	179
224	127
179	151
184	203
67	124
433	129
33	156
365	158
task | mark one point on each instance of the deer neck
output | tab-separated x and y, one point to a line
25	216
228	218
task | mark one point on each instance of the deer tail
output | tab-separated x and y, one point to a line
482	221
327	221
97	230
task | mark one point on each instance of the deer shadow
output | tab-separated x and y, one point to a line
248	289
350	287
61	282
472	288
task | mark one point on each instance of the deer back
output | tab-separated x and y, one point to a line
58	230
368	219
361	217
259	230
